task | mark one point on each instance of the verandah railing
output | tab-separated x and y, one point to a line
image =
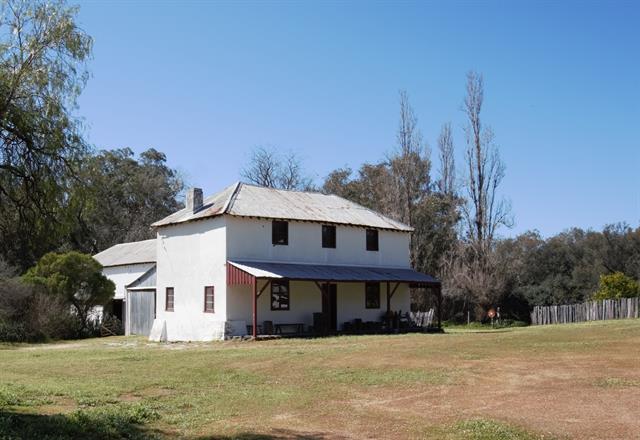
622	308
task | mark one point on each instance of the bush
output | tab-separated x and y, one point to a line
76	280
27	314
617	285
11	331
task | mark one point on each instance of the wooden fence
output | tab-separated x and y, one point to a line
622	308
422	319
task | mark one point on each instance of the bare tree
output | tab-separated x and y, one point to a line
410	164
263	168
292	174
409	169
476	271
447	161
273	170
486	210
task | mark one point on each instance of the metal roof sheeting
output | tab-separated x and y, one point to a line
321	272
145	281
123	254
244	200
211	206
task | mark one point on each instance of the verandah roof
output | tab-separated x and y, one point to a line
241	272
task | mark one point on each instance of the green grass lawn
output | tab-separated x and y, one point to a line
460	385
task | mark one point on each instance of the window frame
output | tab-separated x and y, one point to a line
213	299
288	287
367	287
166	299
369	236
275	224
331	241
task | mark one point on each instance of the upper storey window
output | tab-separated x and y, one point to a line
372	239
279	233
328	236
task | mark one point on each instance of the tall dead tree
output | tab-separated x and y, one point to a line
447	161
485	210
410	164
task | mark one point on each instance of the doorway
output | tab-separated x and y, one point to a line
141	311
330	307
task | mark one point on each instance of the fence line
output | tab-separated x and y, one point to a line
422	319
622	308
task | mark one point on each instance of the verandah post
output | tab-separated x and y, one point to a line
388	297
388	306
254	287
439	293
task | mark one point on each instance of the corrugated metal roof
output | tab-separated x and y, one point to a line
145	281
244	200
124	254
322	272
211	206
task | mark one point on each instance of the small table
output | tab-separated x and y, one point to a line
297	328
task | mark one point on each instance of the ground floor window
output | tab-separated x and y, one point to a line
208	299
280	295
372	295
169	299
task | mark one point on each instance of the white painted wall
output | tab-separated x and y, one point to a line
124	275
191	256
250	239
305	299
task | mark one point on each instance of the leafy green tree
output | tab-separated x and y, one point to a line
75	279
42	71
118	197
617	285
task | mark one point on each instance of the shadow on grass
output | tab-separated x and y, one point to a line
280	434
109	426
77	425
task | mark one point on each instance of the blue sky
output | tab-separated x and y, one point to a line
207	82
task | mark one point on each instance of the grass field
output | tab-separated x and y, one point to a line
573	381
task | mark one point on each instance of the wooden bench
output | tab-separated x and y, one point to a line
294	329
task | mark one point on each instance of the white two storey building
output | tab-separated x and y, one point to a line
254	260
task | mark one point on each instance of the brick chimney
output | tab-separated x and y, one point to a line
194	199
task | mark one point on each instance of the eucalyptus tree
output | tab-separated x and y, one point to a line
43	55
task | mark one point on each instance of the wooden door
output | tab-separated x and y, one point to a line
141	311
330	307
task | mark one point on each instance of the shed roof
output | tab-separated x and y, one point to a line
244	200
325	272
137	252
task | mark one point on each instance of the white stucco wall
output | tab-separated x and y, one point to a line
251	239
305	299
191	256
124	275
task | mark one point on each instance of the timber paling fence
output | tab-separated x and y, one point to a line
622	308
422	319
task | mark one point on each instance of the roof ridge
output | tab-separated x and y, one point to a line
284	189
232	198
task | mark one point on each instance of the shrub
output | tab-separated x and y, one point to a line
27	314
617	285
74	279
